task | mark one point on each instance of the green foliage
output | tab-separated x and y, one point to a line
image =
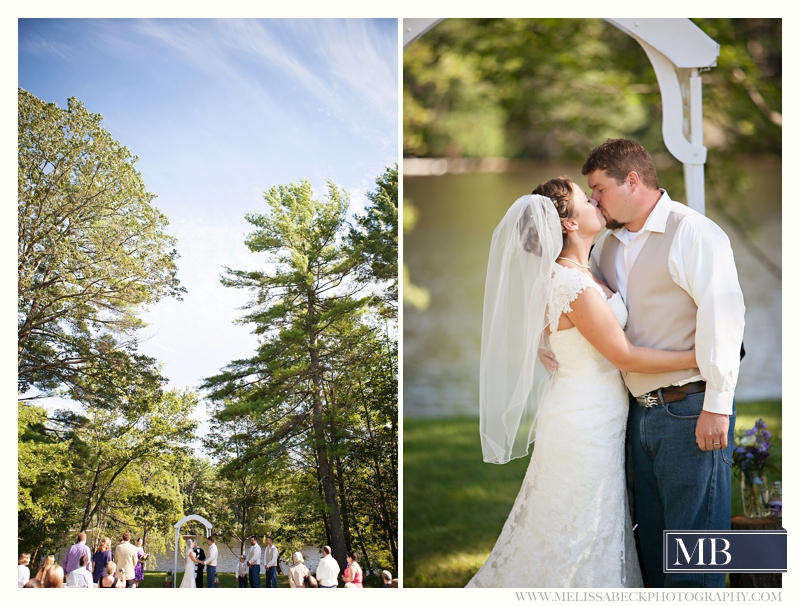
416	296
91	251
535	88
555	88
309	287
44	466
375	239
286	422
110	469
742	95
367	446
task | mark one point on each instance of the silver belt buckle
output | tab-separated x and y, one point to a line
648	400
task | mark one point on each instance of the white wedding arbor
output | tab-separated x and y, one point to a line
678	51
178	526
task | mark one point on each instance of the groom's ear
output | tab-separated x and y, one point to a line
633	180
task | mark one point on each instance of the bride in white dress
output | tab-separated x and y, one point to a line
190	570
570	525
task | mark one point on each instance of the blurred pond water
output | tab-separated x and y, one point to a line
447	252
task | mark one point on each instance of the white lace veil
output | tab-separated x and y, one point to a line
518	283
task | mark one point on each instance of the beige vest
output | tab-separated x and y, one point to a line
660	313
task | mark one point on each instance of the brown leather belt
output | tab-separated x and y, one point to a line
670	394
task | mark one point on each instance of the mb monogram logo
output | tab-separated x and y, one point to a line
699	549
725	551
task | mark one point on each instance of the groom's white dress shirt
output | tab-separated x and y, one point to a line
701	263
211	559
254	555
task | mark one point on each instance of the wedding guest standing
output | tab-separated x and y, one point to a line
126	557
138	571
328	570
23	572
74	553
298	572
241	571
101	559
271	564
353	575
81	577
254	562
387	579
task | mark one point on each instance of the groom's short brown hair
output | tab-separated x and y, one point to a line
620	157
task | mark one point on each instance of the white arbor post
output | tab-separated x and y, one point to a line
178	525
678	51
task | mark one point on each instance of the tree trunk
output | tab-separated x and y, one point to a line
325	469
383	509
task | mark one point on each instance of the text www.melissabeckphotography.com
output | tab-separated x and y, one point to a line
648	596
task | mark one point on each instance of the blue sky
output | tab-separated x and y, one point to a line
218	111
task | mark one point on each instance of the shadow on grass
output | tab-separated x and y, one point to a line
455	505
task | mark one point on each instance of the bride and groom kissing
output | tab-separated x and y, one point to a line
641	334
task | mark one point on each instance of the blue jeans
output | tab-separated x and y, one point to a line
255	576
272	576
211	572
676	486
242	581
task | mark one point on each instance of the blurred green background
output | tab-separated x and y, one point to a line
492	107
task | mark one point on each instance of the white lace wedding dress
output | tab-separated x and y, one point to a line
570	525
189	573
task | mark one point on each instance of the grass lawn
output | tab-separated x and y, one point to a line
454	504
228	579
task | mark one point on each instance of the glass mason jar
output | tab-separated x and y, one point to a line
776	500
755	493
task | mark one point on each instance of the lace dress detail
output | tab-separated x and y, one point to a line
570	525
567	285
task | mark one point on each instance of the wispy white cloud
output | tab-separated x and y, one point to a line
348	66
219	111
40	46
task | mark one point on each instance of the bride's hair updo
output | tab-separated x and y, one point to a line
560	192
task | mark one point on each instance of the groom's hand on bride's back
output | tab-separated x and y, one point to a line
548	359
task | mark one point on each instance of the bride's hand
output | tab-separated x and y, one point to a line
548	359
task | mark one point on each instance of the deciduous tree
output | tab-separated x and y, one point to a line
92	251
